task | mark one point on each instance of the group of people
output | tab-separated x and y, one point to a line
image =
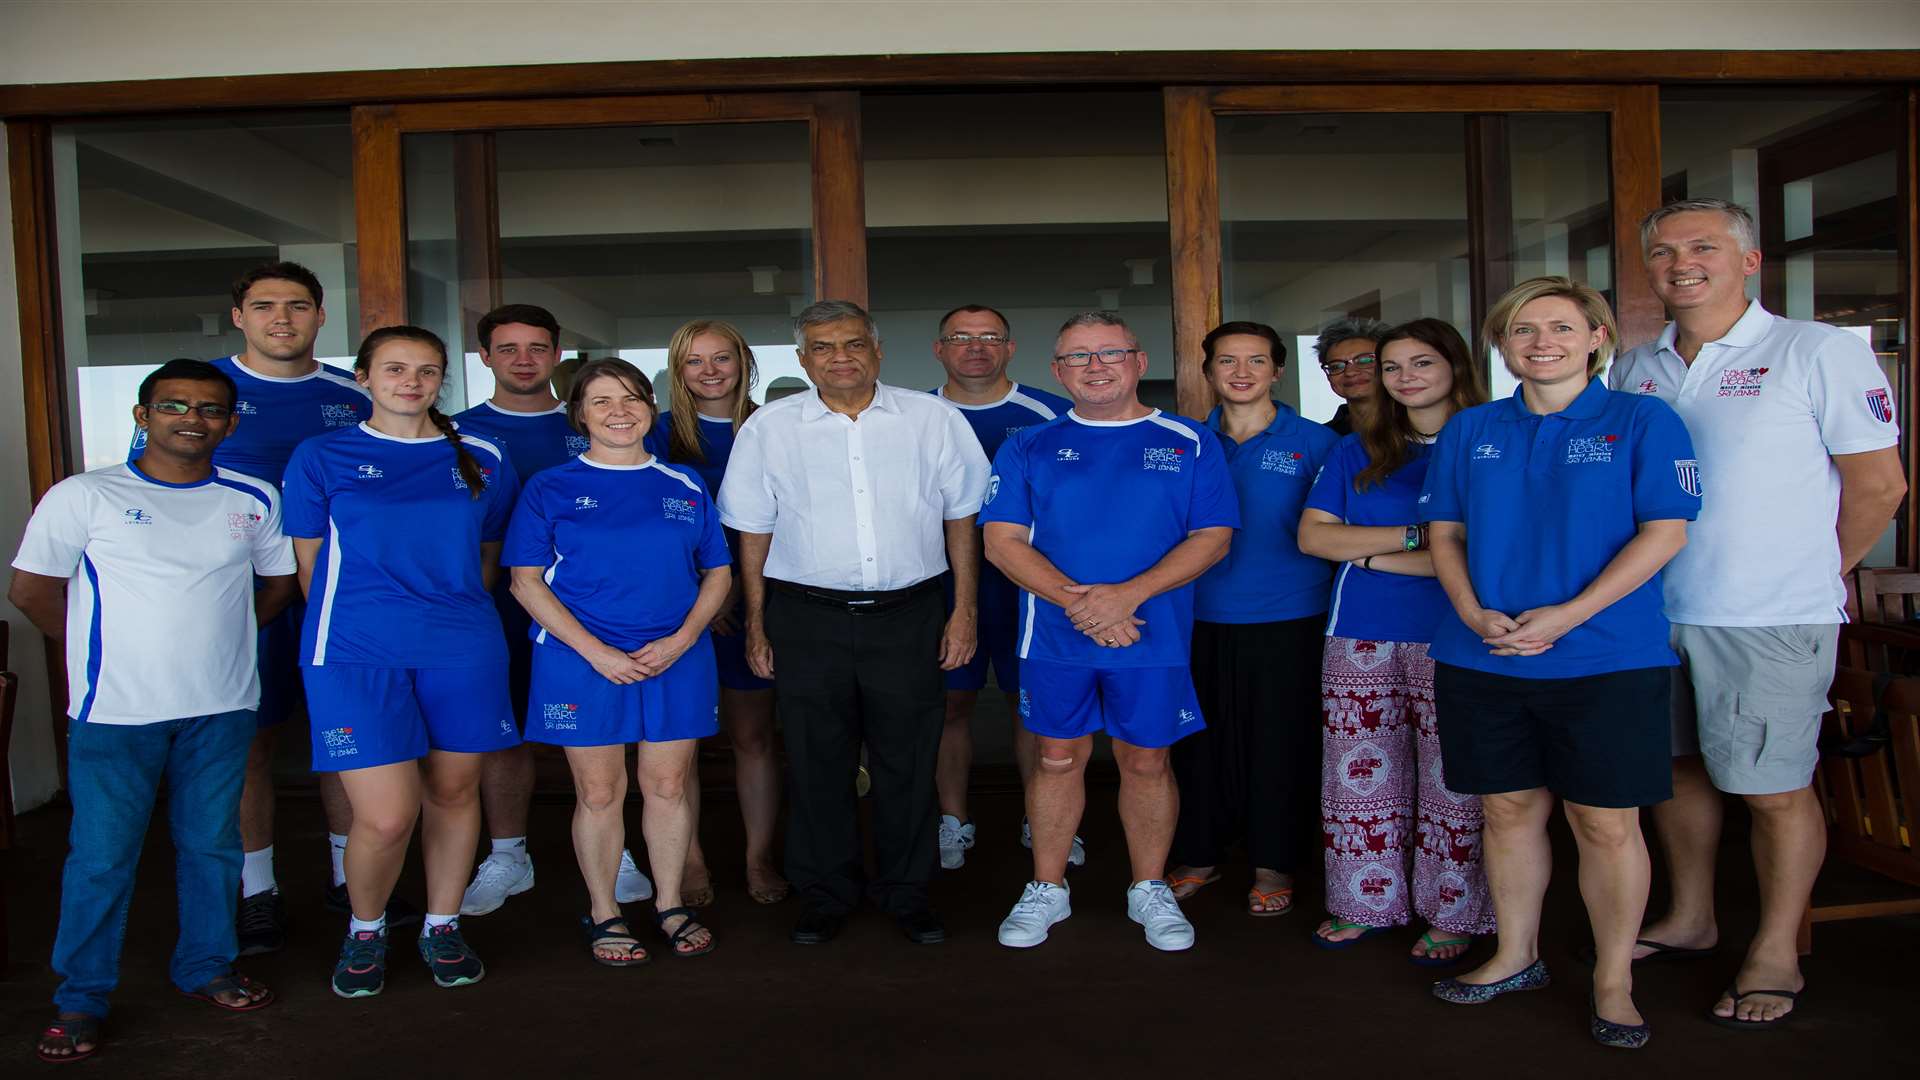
1617	593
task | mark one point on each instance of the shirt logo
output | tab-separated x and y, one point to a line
137	516
1486	451
1592	449
1065	454
1741	382
678	509
1282	461
140	439
1880	405
1648	386
368	472
338	416
1687	471
240	526
338	742
585	502
577	445
993	487
460	482
245	408
1162	459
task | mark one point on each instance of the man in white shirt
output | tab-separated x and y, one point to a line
851	500
158	559
1800	470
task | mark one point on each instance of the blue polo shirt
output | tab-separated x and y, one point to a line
1548	502
277	415
1373	605
535	441
1264	577
993	423
1104	501
716	445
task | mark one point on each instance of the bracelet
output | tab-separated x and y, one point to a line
1366	563
1413	538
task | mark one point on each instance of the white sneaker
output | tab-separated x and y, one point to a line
1151	904
1042	904
1076	856
955	841
499	877
631	885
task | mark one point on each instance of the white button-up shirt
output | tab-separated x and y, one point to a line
1767	405
855	503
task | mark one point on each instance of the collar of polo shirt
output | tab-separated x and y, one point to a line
1283	414
1590	404
1748	331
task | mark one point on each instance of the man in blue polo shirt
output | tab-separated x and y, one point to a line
520	344
975	346
285	397
1104	518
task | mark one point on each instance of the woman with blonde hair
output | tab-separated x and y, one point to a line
1551	515
710	376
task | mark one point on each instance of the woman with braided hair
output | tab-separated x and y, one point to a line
397	525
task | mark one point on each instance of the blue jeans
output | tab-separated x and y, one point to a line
114	772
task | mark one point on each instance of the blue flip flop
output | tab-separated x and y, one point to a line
1342	924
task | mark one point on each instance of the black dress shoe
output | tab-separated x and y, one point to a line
923	927
817	927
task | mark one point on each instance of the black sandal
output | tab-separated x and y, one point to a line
687	928
233	983
70	1032
596	933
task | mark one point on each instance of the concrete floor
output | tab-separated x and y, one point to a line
1253	998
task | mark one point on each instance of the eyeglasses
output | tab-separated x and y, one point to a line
963	340
181	408
1337	366
1108	357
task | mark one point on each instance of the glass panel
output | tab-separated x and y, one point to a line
623	233
1037	204
1327	215
156	218
1561	207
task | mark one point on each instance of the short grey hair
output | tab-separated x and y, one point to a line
1351	328
831	311
1739	220
1097	318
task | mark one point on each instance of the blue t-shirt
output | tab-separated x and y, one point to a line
277	415
1022	407
1105	501
1373	605
1264	577
535	441
716	445
1548	502
593	525
397	583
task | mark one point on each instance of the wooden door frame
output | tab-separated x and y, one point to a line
379	188
1193	184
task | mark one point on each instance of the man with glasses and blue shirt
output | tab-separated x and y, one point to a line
1104	518
1349	359
974	347
158	559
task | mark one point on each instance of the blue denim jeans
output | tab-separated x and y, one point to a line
115	772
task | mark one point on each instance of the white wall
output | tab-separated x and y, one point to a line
58	41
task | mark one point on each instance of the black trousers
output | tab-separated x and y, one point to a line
843	675
1255	771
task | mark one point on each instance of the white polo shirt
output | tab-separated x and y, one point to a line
1768	405
856	504
160	602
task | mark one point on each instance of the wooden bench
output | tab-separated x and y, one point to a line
1868	778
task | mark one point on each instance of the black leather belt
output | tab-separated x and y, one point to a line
852	601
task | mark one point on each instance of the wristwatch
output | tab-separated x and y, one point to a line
1413	538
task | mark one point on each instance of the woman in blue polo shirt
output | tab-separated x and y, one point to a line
397	523
1253	772
710	373
1399	843
620	656
1552	513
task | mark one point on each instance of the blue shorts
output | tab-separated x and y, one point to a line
730	656
1145	707
574	705
363	716
278	658
999	634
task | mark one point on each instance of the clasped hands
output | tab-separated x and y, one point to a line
644	662
1529	633
1105	614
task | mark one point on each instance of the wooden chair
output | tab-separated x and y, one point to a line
1868	780
1887	595
9	697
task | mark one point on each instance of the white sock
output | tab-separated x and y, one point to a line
355	926
338	842
256	871
438	920
513	847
